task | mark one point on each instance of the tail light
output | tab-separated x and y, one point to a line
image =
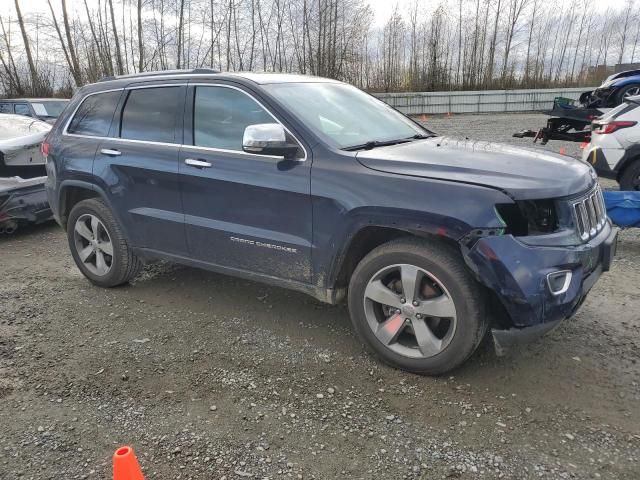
613	126
44	149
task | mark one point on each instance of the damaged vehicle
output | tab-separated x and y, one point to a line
313	185
613	91
22	172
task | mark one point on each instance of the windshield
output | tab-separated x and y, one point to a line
49	108
344	115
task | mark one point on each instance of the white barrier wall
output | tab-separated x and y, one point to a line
483	101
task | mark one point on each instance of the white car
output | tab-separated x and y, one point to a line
22	172
614	150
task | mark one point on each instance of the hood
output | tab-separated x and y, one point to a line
522	173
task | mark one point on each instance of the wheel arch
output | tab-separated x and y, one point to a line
74	191
631	156
365	239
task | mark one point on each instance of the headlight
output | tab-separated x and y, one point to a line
529	217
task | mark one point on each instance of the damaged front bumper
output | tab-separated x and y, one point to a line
22	201
519	275
599	98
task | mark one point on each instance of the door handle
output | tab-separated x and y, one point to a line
110	152
197	163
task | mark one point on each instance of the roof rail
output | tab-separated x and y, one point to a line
155	73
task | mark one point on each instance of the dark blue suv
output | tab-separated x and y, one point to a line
312	184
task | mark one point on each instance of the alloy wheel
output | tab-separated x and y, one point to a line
410	311
93	244
632	92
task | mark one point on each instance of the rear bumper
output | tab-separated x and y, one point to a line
517	273
597	157
24	204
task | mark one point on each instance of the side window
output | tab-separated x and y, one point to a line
94	115
22	109
220	116
150	114
5	108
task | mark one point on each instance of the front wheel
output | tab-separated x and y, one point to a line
627	91
415	304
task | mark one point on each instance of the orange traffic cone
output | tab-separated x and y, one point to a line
125	465
563	151
423	118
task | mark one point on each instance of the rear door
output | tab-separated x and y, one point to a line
74	152
242	210
138	164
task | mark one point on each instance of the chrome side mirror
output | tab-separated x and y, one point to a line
268	139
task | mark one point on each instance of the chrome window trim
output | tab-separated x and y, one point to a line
207	149
239	152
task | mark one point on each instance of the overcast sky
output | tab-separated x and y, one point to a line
381	8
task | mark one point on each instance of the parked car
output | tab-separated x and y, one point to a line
614	148
45	109
613	91
314	185
22	172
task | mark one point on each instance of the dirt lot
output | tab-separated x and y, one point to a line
210	377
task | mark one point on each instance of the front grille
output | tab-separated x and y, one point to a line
590	214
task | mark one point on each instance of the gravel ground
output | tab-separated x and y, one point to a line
211	377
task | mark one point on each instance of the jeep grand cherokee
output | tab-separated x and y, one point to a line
314	185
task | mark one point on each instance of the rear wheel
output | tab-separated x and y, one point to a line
630	178
98	245
414	303
627	91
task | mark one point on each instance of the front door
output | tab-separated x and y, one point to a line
245	211
138	164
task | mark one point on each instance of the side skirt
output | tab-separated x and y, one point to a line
325	295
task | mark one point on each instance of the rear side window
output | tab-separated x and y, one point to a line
23	109
5	108
94	115
220	116
150	114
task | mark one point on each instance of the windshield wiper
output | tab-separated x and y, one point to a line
375	143
385	143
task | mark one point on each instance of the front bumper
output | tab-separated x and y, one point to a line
604	161
601	97
517	273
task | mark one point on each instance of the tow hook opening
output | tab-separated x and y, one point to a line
559	282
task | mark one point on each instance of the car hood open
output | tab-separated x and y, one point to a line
522	173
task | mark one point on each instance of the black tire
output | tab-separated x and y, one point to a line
446	263
623	91
630	178
125	265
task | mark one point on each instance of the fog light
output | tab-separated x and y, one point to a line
559	281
